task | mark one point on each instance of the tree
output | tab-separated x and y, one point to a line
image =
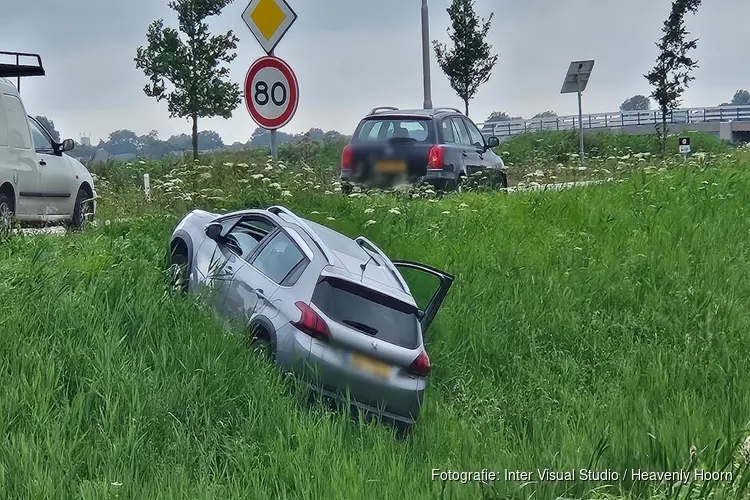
469	63
545	114
124	142
208	139
636	103
49	125
501	116
200	86
671	74
741	98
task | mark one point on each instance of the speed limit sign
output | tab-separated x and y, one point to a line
271	92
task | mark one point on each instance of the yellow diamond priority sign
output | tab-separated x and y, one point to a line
269	21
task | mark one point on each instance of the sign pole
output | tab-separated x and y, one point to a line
274	138
576	80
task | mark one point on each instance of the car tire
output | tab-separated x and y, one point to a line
6	213
456	184
260	339
179	271
79	209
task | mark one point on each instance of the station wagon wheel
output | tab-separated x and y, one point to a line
6	214
260	339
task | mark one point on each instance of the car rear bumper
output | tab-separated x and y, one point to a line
326	369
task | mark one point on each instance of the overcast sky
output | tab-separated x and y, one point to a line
351	55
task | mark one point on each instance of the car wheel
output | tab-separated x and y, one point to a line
79	209
457	184
179	272
6	213
260	340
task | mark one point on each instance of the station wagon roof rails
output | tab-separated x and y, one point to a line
277	210
18	70
382	108
362	242
448	109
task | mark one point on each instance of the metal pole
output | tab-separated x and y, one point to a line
426	56
274	145
18	79
580	117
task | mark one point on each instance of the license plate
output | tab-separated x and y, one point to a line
369	365
390	167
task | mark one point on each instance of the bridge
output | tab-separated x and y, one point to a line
731	123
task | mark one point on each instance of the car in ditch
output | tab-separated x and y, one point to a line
38	181
335	311
441	146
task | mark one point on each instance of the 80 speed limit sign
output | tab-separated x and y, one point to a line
271	92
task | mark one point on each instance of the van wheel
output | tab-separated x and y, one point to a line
79	209
6	213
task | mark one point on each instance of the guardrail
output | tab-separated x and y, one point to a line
615	120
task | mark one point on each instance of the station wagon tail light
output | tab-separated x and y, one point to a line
421	365
311	323
435	161
347	157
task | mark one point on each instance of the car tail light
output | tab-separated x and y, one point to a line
421	365
347	157
435	161
311	323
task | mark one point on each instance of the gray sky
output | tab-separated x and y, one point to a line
351	55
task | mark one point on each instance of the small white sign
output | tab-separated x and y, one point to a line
684	149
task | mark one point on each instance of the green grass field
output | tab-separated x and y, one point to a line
602	328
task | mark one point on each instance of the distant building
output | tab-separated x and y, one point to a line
85	140
102	156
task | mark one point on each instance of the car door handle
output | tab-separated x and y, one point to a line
259	293
464	153
42	162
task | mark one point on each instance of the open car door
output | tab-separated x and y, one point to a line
428	285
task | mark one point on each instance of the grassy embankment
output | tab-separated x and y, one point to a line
602	328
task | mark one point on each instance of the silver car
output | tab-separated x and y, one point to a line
335	311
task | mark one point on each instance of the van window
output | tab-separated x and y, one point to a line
42	143
18	128
3	125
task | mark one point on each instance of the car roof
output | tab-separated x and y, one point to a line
350	256
412	113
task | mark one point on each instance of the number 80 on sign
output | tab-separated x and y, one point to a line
271	92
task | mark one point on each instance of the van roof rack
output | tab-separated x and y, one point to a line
18	70
382	108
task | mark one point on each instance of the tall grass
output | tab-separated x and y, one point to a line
595	328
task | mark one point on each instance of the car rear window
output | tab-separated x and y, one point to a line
373	314
382	129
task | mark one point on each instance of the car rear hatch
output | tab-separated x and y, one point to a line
369	324
390	146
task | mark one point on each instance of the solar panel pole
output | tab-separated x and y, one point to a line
426	56
580	117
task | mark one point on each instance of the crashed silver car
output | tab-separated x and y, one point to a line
335	311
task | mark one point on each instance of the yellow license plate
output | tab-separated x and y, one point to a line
391	167
371	366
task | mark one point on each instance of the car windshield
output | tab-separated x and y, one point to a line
383	129
371	313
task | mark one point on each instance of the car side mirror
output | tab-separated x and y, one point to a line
493	142
213	231
67	145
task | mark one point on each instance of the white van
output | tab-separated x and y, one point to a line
38	181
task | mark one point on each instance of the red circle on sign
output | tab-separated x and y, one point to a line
292	84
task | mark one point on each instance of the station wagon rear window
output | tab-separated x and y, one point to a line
371	313
382	129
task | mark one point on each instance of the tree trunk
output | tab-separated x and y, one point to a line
664	132
195	136
466	106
